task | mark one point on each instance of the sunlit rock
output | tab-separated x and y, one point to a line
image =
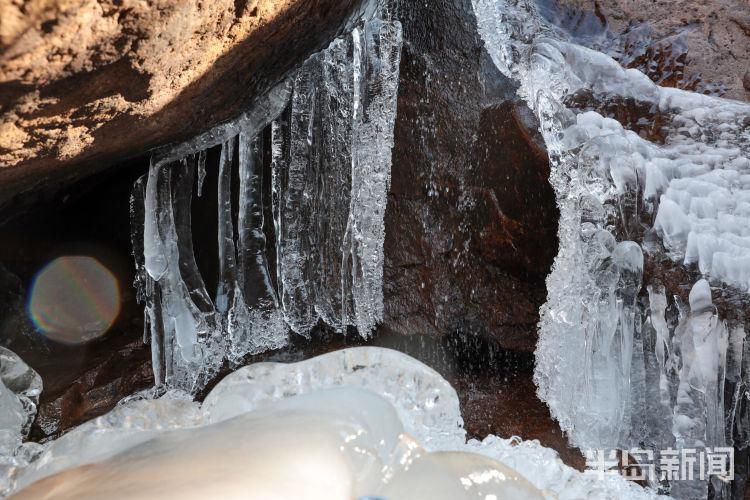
87	85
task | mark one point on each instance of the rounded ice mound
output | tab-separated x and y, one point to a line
425	402
457	475
104	437
341	443
20	387
306	447
360	423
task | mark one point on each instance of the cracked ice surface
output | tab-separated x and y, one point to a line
619	367
330	127
352	423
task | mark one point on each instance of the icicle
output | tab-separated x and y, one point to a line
255	277
144	283
201	170
699	409
227	264
296	210
377	55
279	161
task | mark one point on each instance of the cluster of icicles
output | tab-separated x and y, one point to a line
325	136
622	362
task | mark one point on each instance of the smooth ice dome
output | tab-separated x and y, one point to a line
344	425
337	444
305	447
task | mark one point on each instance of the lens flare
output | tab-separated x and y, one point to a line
74	299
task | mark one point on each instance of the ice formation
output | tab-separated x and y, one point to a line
329	131
20	387
357	423
622	366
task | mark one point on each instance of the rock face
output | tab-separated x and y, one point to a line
703	46
85	84
79	381
471	219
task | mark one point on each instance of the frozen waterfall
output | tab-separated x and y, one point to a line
621	362
324	138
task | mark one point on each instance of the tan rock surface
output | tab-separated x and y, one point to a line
86	83
717	33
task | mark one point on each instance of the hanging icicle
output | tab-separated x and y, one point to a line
330	133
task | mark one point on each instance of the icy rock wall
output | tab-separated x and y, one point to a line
331	134
620	363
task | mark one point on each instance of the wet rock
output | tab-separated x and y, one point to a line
113	375
506	404
80	381
87	84
471	219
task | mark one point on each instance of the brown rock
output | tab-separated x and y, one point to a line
84	84
471	219
703	45
111	376
746	81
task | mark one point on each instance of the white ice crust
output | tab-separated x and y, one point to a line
352	423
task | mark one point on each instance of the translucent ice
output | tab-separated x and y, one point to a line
106	436
426	404
304	447
20	387
330	127
337	426
332	157
620	366
456	475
